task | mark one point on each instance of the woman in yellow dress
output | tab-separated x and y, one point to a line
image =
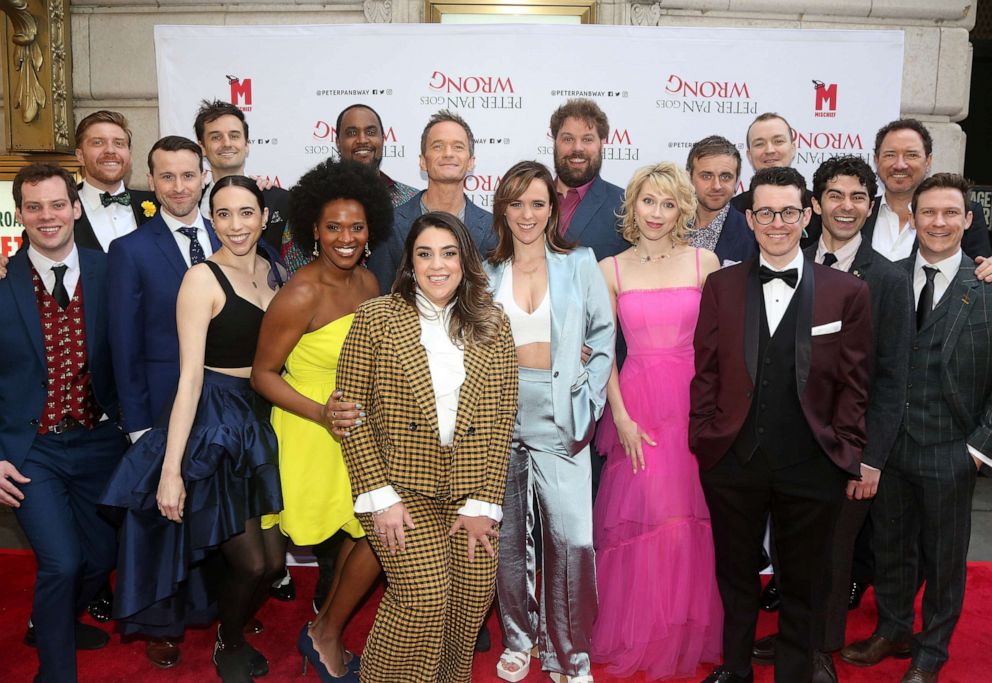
337	209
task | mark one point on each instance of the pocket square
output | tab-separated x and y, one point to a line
829	328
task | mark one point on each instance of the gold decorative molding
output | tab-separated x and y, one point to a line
510	11
37	73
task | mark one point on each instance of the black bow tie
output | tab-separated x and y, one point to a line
124	198
789	276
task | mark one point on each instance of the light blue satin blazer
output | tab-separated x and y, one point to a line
581	314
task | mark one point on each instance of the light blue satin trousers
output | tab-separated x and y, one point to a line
560	483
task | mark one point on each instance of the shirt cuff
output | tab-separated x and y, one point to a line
134	436
377	499
869	467
477	508
975	453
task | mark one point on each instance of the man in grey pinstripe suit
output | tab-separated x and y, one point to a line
922	514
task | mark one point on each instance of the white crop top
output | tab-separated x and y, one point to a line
527	328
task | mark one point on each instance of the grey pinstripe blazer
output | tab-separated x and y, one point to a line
384	367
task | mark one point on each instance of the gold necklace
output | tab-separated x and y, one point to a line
647	259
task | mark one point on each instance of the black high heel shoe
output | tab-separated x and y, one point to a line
305	645
232	663
258	665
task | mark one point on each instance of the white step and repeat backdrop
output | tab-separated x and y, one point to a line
662	88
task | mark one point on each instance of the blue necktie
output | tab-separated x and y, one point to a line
196	254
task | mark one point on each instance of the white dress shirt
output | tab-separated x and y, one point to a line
777	293
446	362
845	255
891	239
182	241
108	222
43	265
946	271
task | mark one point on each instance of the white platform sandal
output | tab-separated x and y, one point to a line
520	660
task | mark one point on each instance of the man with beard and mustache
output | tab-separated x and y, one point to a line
145	270
359	136
714	166
222	131
589	204
447	155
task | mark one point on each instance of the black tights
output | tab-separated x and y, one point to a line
254	560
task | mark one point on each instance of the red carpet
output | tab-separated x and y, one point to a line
125	661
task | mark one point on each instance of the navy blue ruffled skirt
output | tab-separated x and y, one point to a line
166	572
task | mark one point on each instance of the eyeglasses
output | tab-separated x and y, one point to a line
790	215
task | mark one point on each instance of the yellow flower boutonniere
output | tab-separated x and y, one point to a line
149	208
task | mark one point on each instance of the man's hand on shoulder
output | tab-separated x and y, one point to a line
983	271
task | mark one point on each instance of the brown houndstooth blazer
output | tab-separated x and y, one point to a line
384	367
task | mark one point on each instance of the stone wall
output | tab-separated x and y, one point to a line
114	60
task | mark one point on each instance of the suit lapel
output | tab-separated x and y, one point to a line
476	375
752	320
585	211
83	235
413	359
558	279
167	245
19	274
90	289
956	304
804	324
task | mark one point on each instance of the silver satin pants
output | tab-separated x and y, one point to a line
541	469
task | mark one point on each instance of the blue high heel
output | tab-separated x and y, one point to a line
310	655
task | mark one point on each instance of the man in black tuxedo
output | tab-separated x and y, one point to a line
843	189
922	514
110	210
222	131
777	419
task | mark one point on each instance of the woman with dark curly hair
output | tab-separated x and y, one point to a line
336	209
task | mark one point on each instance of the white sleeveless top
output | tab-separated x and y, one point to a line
527	328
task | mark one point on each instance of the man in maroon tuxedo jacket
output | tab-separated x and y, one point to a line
783	349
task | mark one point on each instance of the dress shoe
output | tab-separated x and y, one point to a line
162	653
763	650
87	637
258	665
872	650
284	588
823	668
770	599
253	627
918	675
482	641
722	675
858	589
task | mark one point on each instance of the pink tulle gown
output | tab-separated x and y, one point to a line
659	608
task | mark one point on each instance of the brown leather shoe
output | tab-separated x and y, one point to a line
823	668
918	675
162	653
872	650
763	650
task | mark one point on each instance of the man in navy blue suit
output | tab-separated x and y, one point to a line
714	167
146	269
59	438
589	204
447	155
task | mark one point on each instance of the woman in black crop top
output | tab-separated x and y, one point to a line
214	472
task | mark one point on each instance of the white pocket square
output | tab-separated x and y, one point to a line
829	328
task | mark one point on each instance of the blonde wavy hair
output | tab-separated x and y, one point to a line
667	178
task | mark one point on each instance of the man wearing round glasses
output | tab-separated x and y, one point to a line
777	419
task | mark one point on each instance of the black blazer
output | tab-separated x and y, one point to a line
86	238
892	321
736	242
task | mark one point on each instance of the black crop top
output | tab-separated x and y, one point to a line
233	333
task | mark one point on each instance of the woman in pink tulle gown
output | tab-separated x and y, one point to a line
659	608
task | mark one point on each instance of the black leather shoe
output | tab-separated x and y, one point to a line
857	591
482	641
722	675
162	653
87	637
823	668
763	650
102	606
770	599
283	589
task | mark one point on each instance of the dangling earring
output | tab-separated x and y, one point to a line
368	252
316	250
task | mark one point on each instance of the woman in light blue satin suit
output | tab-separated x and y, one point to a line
562	321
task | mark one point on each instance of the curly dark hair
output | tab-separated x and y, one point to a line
330	180
848	165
